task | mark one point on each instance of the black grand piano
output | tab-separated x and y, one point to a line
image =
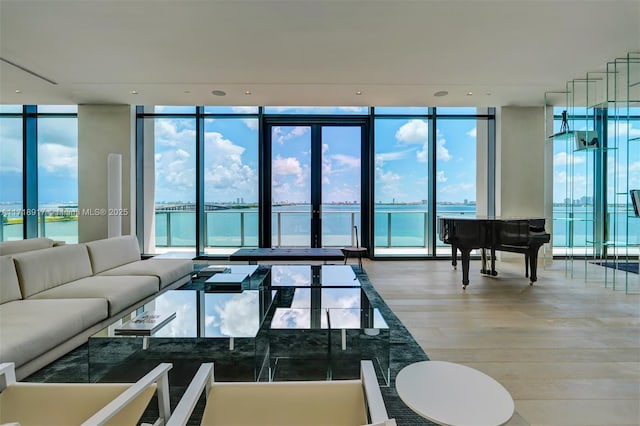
517	235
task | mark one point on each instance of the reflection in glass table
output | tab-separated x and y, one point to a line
313	275
329	341
220	327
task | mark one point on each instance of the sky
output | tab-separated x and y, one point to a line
573	170
231	160
231	157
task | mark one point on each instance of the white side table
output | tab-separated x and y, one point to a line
453	394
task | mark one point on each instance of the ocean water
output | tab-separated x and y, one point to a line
396	225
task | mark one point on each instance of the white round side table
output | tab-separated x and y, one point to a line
453	394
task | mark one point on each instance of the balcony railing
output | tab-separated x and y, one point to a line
394	228
51	225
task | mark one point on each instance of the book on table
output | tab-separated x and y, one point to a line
144	324
208	271
227	281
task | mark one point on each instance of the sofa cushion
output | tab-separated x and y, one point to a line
121	292
168	271
32	327
9	286
20	246
113	252
40	270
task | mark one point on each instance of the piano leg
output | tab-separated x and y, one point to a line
526	265
494	273
483	257
533	263
454	256
466	255
484	269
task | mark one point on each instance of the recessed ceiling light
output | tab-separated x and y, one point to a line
469	93
18	91
134	92
218	92
358	93
187	91
441	93
247	92
488	93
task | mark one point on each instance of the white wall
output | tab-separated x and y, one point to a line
103	129
520	164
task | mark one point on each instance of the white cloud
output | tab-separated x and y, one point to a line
174	132
346	160
344	192
422	155
244	109
579	181
251	123
387	185
226	176
473	132
238	316
414	131
457	188
59	131
175	172
440	177
381	158
562	159
442	153
11	156
281	136
58	158
286	166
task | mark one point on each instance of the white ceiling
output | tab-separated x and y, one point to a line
307	52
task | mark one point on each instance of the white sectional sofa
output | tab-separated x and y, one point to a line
52	299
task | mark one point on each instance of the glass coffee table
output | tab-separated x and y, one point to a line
208	327
326	331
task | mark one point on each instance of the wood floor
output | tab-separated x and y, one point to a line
567	349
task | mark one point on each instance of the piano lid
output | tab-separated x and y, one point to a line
490	218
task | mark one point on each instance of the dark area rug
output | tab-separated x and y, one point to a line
73	367
622	266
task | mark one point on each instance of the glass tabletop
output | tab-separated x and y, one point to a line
313	275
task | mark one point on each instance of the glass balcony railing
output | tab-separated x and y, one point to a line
239	228
59	227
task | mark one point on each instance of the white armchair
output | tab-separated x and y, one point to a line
27	403
336	403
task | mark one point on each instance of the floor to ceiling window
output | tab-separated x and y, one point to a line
456	148
317	177
401	181
579	199
11	172
425	167
58	172
173	131
51	141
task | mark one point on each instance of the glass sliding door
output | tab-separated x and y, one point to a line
315	185
291	186
341	185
